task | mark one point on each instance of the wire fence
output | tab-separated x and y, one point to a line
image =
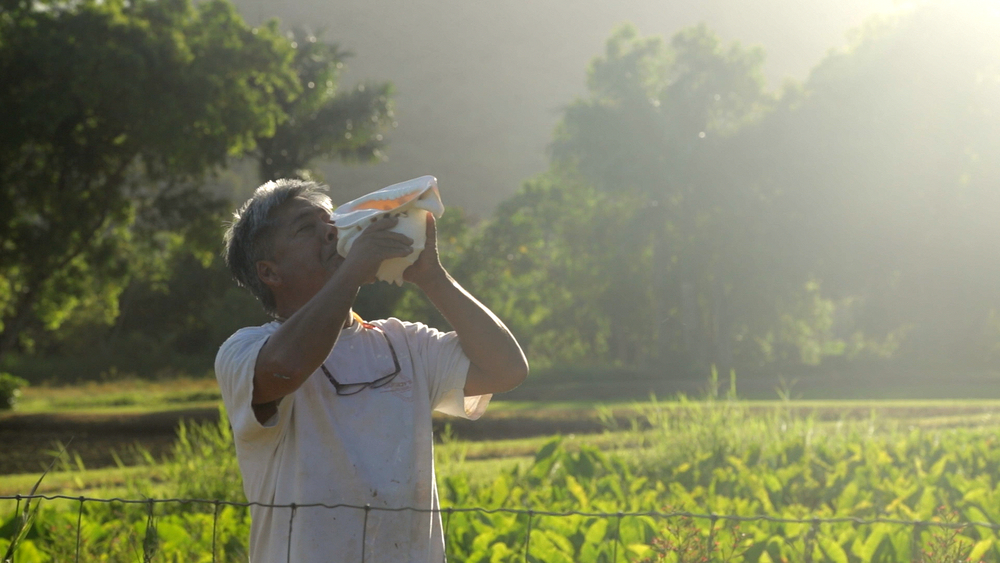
446	513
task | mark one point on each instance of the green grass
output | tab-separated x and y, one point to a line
864	459
627	426
135	395
105	482
130	395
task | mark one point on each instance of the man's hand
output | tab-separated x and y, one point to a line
375	245
496	362
427	269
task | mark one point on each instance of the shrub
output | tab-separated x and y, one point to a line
10	390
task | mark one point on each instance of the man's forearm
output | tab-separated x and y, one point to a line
304	340
487	342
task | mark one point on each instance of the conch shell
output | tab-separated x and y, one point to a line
411	201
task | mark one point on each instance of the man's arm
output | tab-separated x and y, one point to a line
497	363
305	339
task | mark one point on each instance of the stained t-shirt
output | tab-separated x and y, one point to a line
374	448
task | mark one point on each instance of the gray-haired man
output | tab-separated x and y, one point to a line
329	409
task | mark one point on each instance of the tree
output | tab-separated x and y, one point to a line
887	192
655	127
182	317
164	289
324	123
108	112
568	269
852	211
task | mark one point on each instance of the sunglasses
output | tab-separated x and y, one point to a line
355	388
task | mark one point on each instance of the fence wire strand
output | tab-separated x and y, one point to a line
447	523
79	525
215	528
618	532
364	532
527	538
291	518
814	522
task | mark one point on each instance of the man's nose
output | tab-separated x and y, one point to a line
331	232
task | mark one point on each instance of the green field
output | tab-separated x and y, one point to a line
130	395
835	481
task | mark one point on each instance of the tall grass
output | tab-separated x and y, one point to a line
717	455
201	465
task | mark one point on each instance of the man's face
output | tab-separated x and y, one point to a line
304	252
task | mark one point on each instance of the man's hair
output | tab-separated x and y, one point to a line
249	238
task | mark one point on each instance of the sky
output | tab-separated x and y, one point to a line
480	85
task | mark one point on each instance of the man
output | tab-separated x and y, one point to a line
328	409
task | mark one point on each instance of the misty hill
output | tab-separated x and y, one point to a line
480	85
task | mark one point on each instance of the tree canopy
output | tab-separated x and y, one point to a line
691	217
323	122
111	114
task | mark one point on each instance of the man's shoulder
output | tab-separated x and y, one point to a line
246	336
253	332
417	334
398	326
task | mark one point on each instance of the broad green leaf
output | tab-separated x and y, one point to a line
872	542
981	548
832	550
597	531
499	553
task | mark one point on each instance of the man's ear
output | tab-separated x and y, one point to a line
268	273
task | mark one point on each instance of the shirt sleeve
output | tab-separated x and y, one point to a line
234	369
446	366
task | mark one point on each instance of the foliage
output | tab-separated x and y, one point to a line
201	465
690	217
715	456
115	532
324	123
627	251
682	541
113	111
554	264
10	390
658	119
653	108
877	167
110	227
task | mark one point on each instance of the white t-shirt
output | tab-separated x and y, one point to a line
373	448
